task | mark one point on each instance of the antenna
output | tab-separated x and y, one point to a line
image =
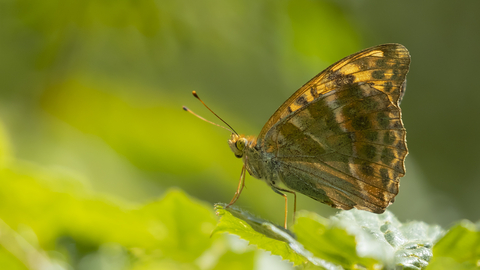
190	111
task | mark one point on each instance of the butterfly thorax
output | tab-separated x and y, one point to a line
257	162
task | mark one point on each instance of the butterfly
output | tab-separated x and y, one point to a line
339	139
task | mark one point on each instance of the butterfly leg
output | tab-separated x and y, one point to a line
241	184
277	190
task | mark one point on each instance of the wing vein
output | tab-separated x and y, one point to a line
338	189
283	162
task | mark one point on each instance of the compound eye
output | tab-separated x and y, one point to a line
240	144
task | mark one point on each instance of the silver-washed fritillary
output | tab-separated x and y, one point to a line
339	139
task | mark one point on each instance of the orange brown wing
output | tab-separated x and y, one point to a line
340	139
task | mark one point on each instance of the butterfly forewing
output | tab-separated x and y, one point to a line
340	139
394	58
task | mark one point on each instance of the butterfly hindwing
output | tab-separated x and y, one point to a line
340	138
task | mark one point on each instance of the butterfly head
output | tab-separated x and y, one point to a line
237	144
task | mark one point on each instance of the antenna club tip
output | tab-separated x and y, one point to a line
185	108
194	93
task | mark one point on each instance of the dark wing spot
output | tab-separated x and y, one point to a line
389	138
289	109
401	145
397	64
361	122
396	124
385	177
371	135
396	75
381	63
313	92
352	91
302	101
362	63
349	79
388	87
369	151
389	52
383	120
367	169
378	74
341	80
355	90
387	156
334	75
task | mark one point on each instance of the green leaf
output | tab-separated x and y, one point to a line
257	232
330	243
180	225
8	261
458	249
56	206
16	252
350	240
233	261
155	264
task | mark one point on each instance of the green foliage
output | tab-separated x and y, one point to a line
258	232
329	243
59	223
459	248
54	212
358	240
235	261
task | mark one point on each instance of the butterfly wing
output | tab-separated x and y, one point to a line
340	139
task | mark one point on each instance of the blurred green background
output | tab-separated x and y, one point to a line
93	90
